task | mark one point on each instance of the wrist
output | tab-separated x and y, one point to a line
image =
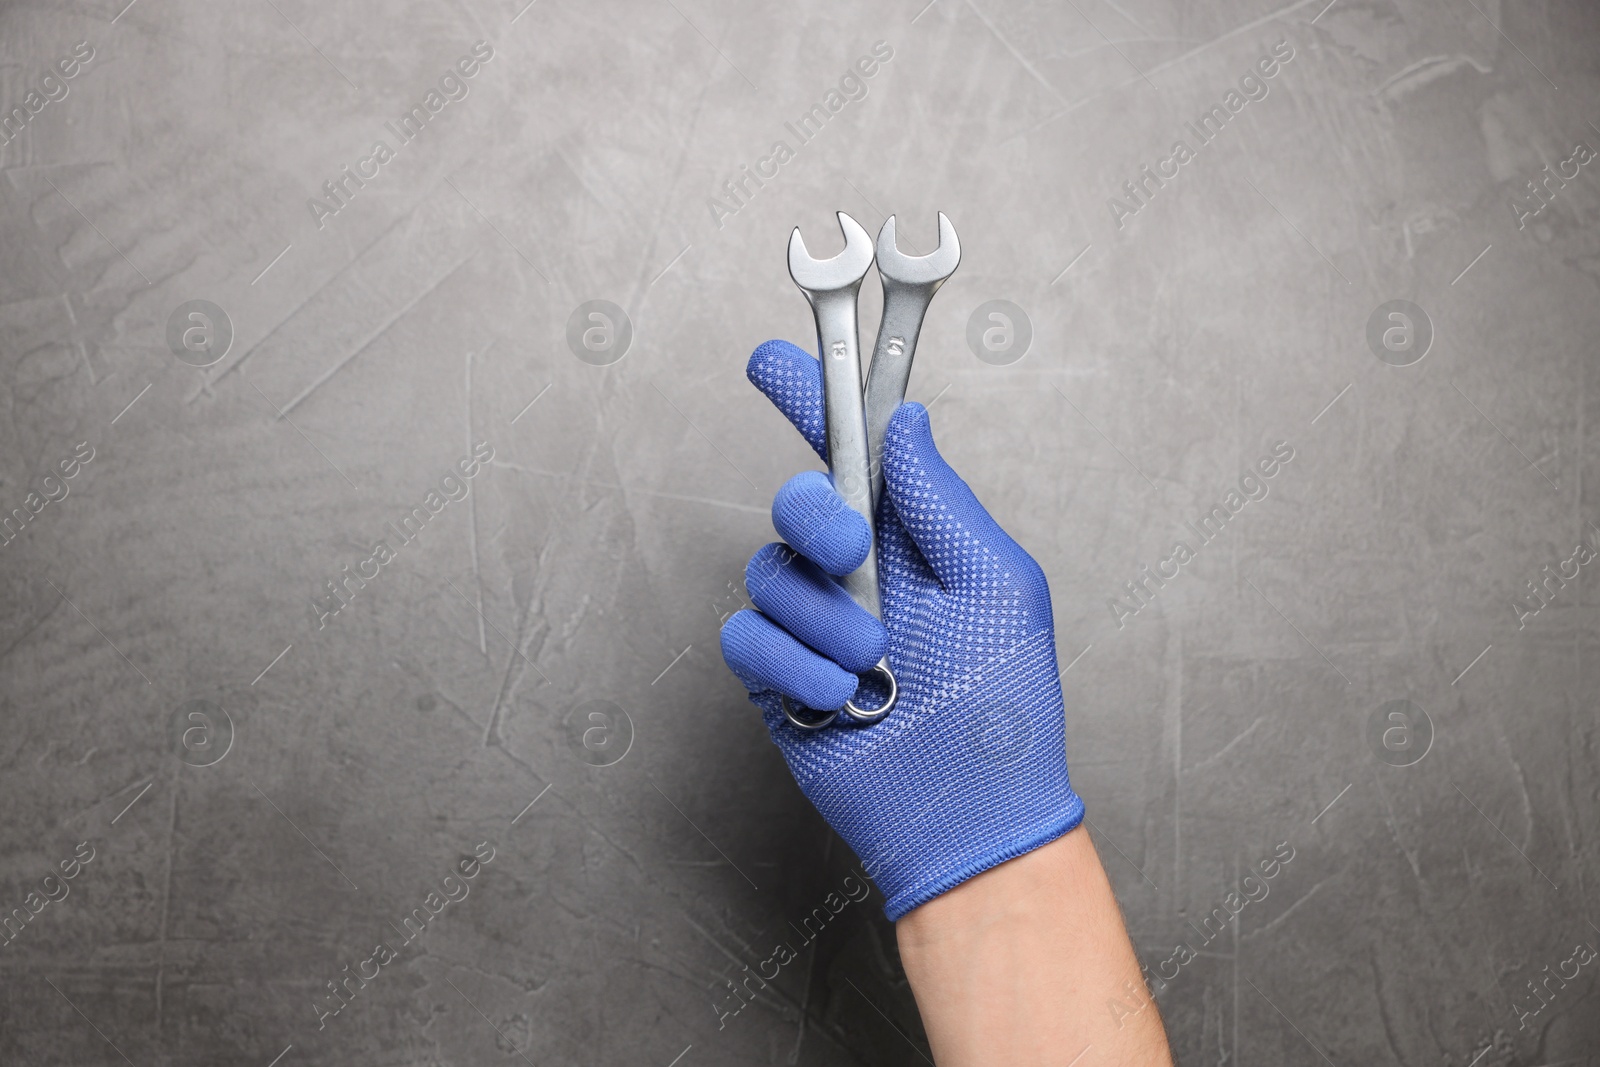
1019	964
1057	812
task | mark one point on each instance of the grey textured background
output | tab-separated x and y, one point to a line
600	543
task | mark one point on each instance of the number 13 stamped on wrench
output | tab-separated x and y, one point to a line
856	421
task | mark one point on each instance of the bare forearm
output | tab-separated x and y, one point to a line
1023	964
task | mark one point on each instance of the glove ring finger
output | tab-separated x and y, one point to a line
863	716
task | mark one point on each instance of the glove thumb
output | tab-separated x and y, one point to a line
952	530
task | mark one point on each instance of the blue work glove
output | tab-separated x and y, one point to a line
969	769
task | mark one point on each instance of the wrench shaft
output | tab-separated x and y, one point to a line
904	307
844	413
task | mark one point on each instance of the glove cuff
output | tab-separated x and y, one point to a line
922	891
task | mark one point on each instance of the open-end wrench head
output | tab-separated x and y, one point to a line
842	271
931	269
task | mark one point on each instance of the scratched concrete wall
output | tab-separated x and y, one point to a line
254	783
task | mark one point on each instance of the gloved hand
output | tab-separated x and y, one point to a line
969	769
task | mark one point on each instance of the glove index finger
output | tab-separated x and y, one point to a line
811	516
792	379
